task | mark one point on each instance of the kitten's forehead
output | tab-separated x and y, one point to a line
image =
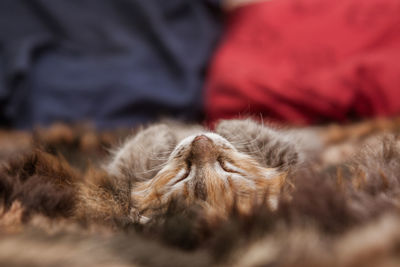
216	138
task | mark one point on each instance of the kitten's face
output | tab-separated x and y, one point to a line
206	168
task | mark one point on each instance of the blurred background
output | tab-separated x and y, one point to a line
120	63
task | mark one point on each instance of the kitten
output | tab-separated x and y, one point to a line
241	163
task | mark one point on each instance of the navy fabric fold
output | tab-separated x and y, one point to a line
111	62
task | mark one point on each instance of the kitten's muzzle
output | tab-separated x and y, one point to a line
203	150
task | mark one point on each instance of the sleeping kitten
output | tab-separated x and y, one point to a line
241	163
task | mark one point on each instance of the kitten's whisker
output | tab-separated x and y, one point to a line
245	142
254	140
158	158
157	168
164	152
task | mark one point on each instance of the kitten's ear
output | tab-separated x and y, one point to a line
142	156
268	146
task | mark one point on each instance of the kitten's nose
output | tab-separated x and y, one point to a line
201	138
203	149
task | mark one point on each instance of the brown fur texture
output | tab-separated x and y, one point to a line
340	212
41	183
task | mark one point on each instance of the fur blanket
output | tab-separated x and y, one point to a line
343	208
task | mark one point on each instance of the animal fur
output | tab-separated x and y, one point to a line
330	212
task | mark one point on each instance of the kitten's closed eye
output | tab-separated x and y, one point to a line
228	167
184	173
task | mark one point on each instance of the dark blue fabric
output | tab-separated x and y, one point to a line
113	62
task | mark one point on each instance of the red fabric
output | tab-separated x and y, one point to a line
308	61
